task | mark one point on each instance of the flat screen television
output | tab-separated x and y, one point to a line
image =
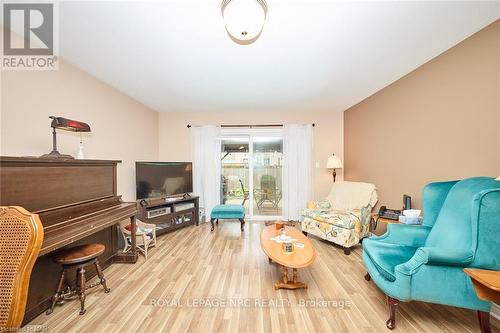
163	179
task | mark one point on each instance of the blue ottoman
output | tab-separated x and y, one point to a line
224	212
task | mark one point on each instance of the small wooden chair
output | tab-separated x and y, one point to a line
21	237
145	236
78	257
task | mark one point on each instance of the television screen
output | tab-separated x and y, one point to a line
161	179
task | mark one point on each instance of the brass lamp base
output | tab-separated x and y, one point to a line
56	154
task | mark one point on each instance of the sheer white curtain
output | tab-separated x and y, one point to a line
206	148
297	169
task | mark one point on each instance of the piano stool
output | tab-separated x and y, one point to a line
77	257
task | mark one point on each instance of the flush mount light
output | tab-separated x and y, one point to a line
244	19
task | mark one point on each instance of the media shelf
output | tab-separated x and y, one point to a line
169	214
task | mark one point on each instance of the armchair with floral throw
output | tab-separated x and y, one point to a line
344	217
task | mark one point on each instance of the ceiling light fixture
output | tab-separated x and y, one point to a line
244	19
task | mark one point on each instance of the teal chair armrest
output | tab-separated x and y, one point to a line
451	257
405	234
435	256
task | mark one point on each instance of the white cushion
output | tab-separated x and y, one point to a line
352	195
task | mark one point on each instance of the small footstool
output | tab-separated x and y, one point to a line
225	212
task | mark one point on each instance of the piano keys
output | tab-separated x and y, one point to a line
77	203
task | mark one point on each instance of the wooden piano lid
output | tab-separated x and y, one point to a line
40	184
35	159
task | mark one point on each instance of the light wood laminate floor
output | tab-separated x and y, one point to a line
194	265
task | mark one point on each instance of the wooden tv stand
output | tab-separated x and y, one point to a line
168	213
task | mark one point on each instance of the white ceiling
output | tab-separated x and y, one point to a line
312	55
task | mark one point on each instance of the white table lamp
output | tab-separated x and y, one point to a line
334	163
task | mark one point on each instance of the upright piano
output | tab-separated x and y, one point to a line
77	203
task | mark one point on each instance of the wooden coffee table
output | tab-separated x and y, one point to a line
486	283
487	286
299	258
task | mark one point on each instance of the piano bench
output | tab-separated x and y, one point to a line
77	257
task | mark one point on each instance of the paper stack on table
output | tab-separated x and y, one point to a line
287	239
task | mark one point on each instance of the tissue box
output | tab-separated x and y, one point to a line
412	212
411	219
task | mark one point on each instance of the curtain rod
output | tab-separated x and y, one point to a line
249	126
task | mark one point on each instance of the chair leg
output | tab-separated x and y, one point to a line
81	274
393	304
347	251
127	246
242	224
59	290
368	277
212	223
484	321
100	274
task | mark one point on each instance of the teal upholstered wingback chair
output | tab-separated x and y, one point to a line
461	229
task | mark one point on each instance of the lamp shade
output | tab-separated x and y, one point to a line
69	125
333	162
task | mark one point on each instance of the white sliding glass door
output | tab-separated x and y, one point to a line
266	168
252	170
235	178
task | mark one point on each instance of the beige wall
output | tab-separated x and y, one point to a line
122	128
440	122
328	135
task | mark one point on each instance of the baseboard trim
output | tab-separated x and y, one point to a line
495	311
